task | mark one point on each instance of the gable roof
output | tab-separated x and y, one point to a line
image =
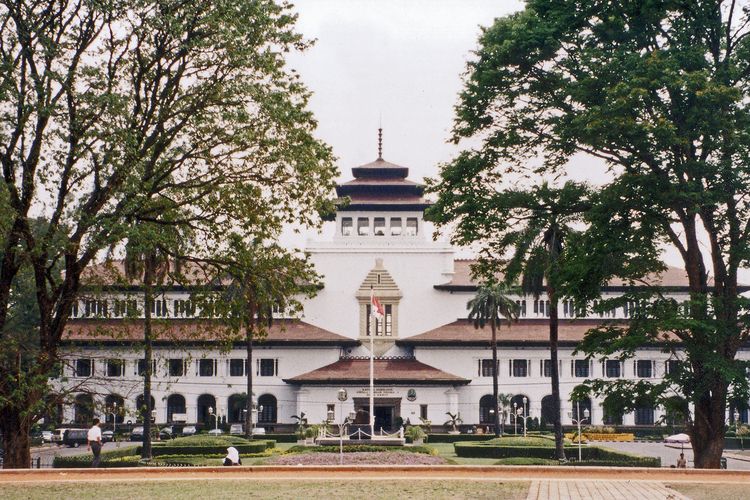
286	332
387	371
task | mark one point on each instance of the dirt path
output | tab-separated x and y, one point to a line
307	473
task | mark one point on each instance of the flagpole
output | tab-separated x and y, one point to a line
372	364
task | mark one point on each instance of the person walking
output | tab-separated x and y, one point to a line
94	439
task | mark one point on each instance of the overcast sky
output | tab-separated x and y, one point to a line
398	59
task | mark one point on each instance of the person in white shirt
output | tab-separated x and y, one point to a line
233	457
95	442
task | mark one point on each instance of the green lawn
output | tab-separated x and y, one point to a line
230	489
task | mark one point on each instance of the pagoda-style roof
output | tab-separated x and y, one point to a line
387	371
284	332
382	185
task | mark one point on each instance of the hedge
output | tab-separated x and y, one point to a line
283	438
452	438
590	454
256	446
122	457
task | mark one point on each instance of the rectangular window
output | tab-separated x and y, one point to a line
74	309
206	367
547	368
485	367
268	367
378	226
672	366
644	416
423	412
521	308
581	368
84	367
184	308
644	368
237	367
363	226
331	411
411	226
386	322
142	367
115	368
520	368
159	308
395	226
347	227
96	308
612	368
176	367
118	308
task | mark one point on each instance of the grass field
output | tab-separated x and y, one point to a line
234	488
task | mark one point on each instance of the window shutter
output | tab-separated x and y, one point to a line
622	368
276	367
510	368
653	368
479	368
541	367
572	368
197	367
635	368
528	368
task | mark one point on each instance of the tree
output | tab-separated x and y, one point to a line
522	234
491	304
659	91
110	110
263	279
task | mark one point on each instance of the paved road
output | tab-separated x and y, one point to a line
670	454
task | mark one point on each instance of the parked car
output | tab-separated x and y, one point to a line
57	435
136	434
215	432
258	431
108	436
47	436
166	433
74	438
236	429
189	430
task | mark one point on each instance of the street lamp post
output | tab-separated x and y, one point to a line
114	419
525	401
586	414
515	419
342	396
215	415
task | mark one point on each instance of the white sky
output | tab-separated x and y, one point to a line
401	60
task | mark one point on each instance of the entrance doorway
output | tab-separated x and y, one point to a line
384	418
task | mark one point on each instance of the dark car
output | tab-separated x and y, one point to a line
74	438
108	436
136	434
166	433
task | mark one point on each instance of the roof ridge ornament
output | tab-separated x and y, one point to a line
380	143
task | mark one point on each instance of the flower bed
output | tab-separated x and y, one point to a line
358	458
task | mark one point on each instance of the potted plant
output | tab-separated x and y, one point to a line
416	434
454	420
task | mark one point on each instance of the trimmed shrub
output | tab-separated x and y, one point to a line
283	438
526	461
110	458
248	447
452	438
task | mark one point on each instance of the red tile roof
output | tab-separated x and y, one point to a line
387	371
282	332
524	332
462	278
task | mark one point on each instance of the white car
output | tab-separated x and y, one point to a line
47	436
236	429
215	432
189	430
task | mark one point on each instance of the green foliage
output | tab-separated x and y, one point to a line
415	432
207	440
527	461
353	448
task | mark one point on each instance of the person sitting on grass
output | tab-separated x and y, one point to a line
233	457
681	462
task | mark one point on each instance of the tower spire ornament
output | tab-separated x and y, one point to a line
380	143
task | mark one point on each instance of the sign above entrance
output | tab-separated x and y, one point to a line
379	391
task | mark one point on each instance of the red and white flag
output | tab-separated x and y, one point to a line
376	308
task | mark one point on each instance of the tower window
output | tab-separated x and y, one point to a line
379	226
363	226
347	227
411	226
395	226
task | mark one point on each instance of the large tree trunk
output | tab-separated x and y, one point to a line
148	294
707	431
496	411
16	442
555	373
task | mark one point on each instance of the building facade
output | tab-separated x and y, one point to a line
430	360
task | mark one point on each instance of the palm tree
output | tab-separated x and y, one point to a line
537	250
491	304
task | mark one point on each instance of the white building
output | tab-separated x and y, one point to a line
430	359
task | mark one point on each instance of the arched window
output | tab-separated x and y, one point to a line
141	407
582	405
206	401
84	409
114	407
175	404
237	404
268	414
548	411
485	405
